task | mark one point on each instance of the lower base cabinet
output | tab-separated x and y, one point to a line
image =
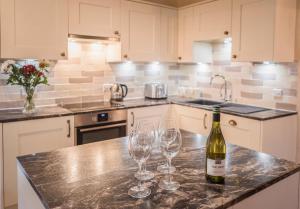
27	137
283	194
193	119
154	114
277	137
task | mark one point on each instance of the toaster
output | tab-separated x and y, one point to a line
156	90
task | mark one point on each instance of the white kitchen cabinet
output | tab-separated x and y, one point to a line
241	131
169	35
193	119
276	137
283	194
34	29
263	30
279	137
28	137
154	114
186	34
95	17
140	31
213	20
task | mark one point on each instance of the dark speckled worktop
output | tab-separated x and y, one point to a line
99	175
13	115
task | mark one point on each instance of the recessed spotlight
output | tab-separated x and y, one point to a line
267	63
227	40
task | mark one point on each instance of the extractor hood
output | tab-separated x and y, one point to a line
85	38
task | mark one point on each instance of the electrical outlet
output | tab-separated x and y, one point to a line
278	92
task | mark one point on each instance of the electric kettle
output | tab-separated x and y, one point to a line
118	92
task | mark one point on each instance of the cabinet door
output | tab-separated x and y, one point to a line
36	29
186	34
169	35
154	114
253	26
241	131
213	20
279	137
140	31
193	119
27	137
95	17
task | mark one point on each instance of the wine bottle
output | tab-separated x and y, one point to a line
215	151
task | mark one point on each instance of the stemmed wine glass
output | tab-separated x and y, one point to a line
170	144
145	129
139	147
164	126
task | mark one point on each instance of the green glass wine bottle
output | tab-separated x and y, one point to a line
215	151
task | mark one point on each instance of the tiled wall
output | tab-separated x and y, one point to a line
81	79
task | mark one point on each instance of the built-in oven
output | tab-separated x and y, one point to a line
100	126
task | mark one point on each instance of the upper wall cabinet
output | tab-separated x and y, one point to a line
95	17
169	35
36	29
213	20
140	31
264	30
186	34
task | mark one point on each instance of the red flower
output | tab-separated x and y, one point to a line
27	70
40	74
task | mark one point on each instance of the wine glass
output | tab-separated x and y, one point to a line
171	142
164	126
139	148
146	130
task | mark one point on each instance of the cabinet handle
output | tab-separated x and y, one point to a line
234	56
179	58
117	33
204	121
132	115
232	123
69	128
63	54
125	56
226	33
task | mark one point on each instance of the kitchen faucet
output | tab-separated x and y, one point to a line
227	97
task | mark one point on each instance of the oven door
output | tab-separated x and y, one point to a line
102	132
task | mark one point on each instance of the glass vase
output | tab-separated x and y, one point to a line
29	106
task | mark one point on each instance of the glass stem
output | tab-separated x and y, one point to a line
139	181
169	170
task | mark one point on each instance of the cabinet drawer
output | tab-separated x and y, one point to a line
193	119
241	131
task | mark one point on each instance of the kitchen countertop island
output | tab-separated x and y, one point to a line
99	175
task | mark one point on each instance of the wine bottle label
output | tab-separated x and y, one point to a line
216	167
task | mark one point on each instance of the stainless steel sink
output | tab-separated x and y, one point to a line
228	107
205	102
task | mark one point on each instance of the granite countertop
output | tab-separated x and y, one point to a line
99	175
13	115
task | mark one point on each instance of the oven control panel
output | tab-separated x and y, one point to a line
100	117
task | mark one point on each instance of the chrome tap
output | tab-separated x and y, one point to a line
226	97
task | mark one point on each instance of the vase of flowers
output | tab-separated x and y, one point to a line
29	77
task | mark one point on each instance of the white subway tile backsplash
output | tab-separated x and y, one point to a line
81	79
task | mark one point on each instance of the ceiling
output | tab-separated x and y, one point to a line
175	3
